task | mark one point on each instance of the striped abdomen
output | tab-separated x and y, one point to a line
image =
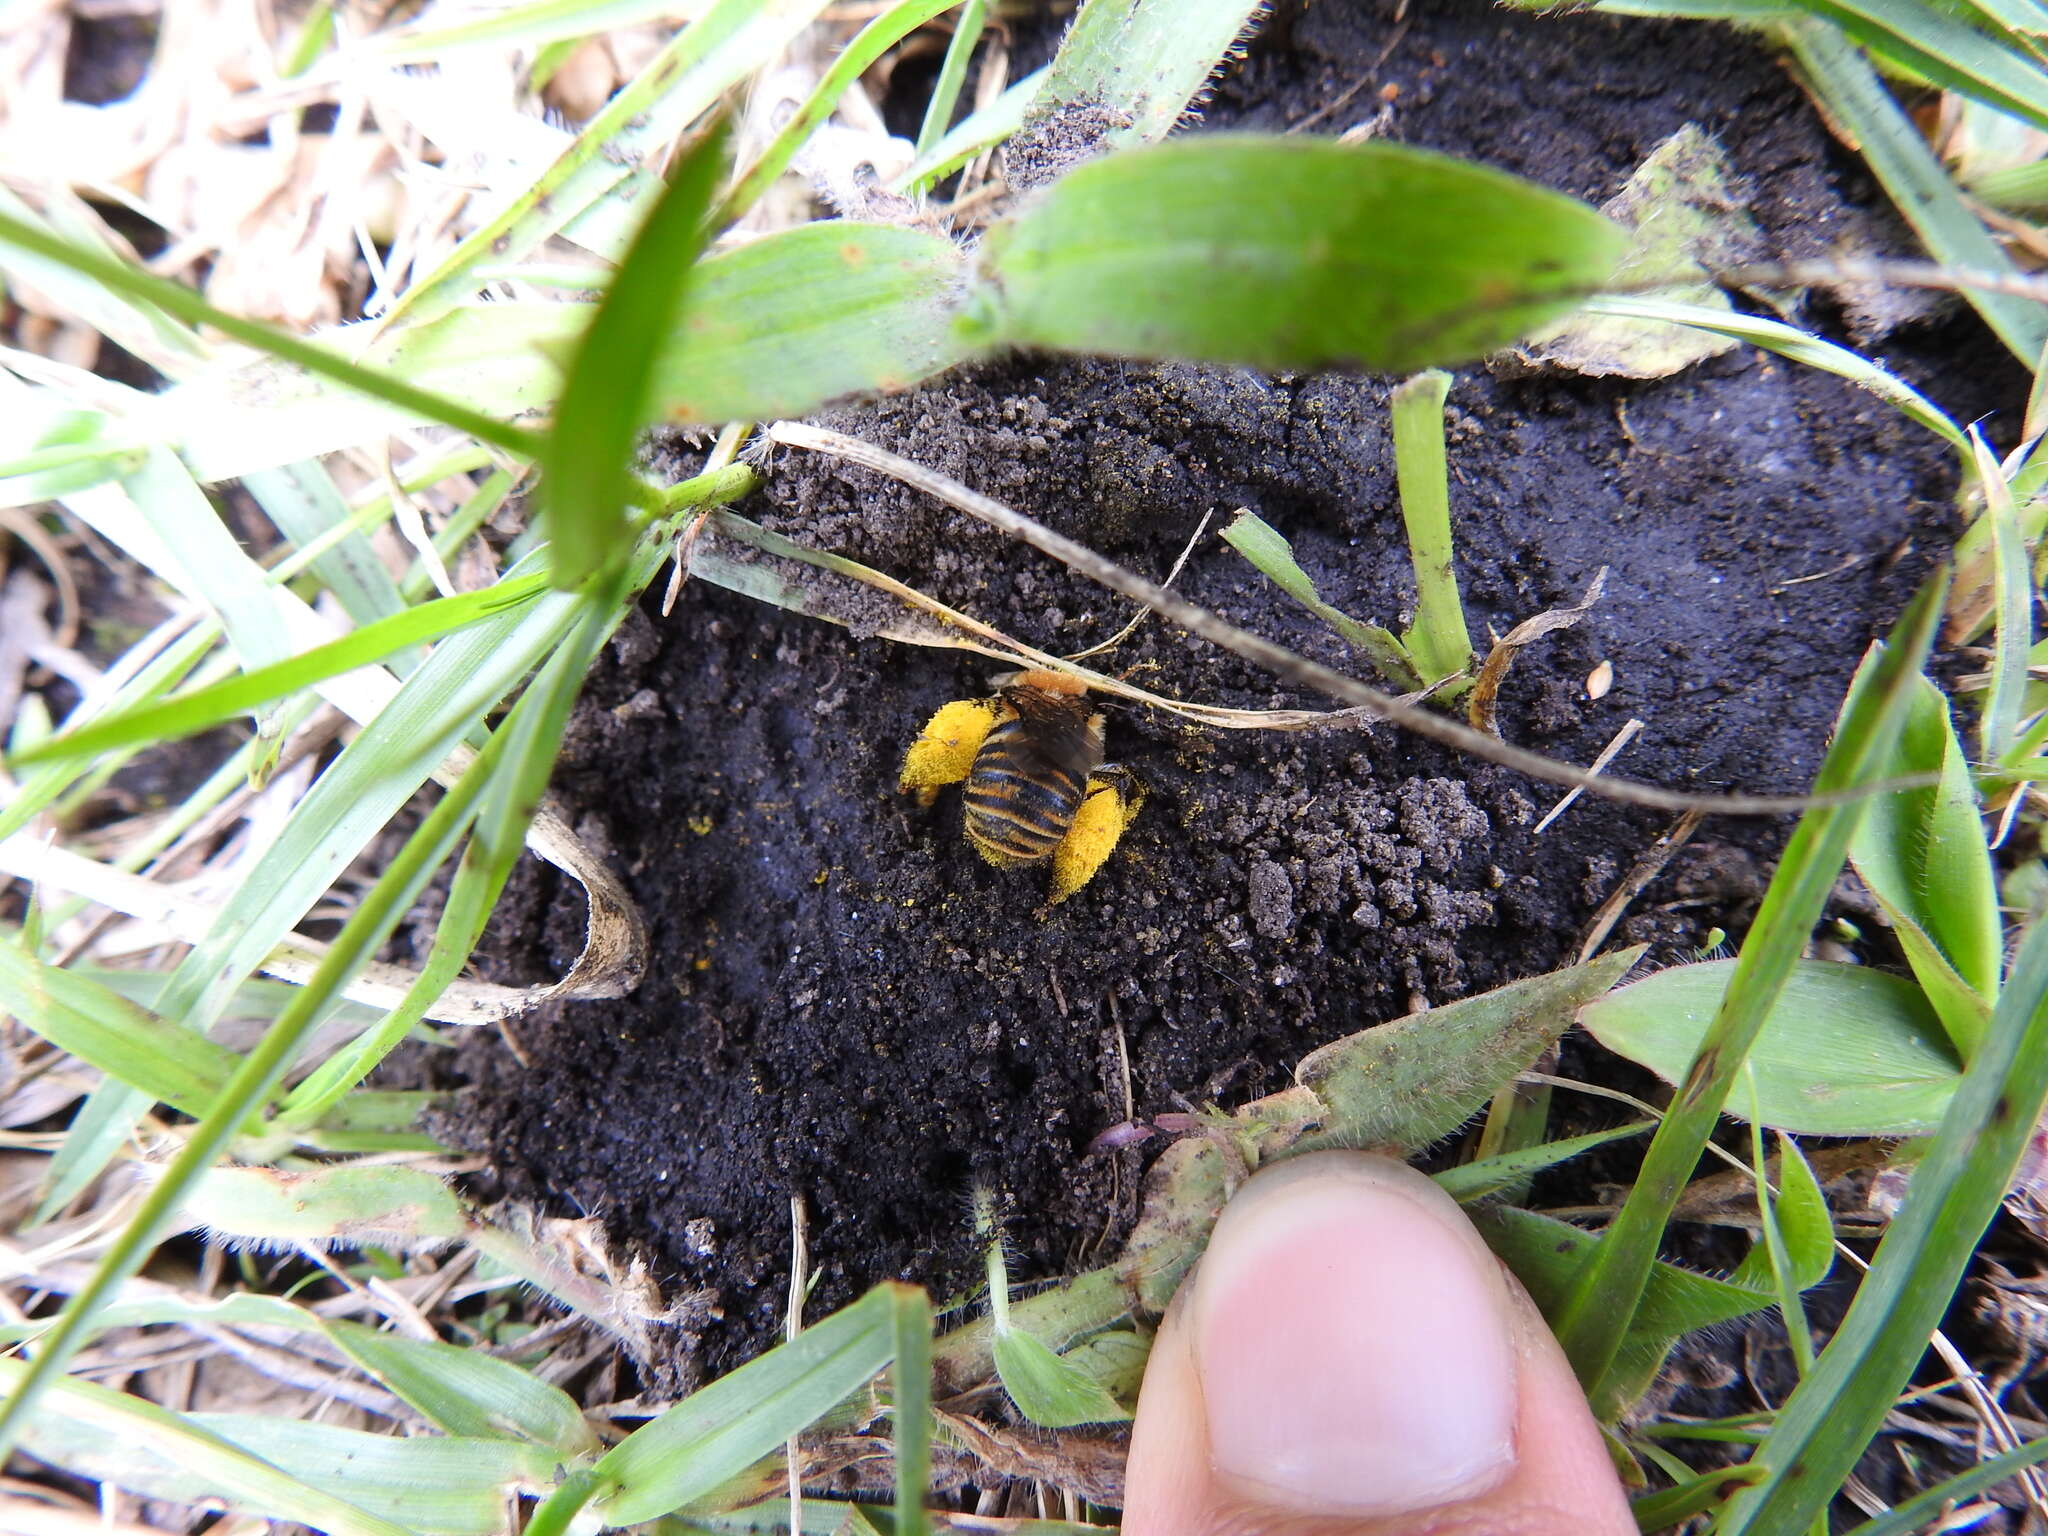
1019	803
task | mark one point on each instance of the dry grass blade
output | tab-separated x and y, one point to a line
1369	702
1486	691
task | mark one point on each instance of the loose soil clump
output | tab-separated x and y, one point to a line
843	1002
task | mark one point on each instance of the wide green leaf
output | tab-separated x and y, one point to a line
780	326
1844	1050
1289	253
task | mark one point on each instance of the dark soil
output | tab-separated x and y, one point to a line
845	1003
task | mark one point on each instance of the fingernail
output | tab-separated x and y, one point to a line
1352	1336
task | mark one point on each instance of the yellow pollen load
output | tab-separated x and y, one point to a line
1105	812
944	754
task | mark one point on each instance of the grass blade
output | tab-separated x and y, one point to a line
438	1485
1956	1189
586	464
1790	342
372	922
523	26
131	1428
203	708
1140	64
938	112
719	1430
971	135
1986	63
911	1381
596	181
1438	640
1924	1508
1608	1290
188	306
302	500
167	1062
872	41
467	1392
1912	178
1270	553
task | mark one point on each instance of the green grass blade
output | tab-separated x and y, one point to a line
350	803
1604	1299
151	330
855	59
188	306
1270	553
1923	1509
1790	342
971	135
1956	1189
195	553
302	500
911	1408
124	1040
203	708
501	827
521	26
437	1485
467	1392
1668	1507
587	463
131	1429
938	112
1438	640
1141	64
1986	63
1913	179
719	1430
2014	634
1288	253
372	922
388	1205
1488	1176
598	179
132	688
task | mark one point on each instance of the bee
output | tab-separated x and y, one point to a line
1036	785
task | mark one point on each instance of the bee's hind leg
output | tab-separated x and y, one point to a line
944	752
1112	800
